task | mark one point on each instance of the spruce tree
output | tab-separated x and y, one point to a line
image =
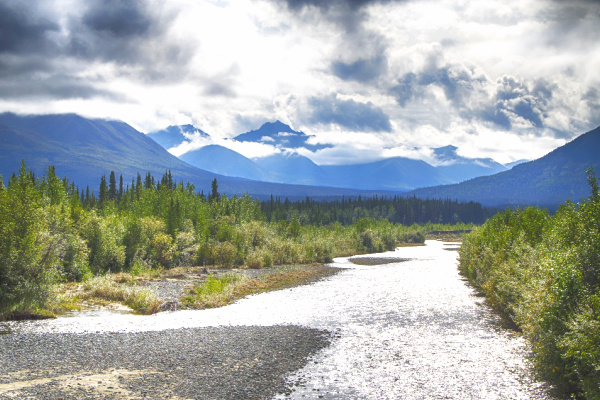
112	187
214	190
103	196
120	195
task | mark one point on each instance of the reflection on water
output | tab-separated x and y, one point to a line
406	330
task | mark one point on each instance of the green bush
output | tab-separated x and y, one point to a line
543	273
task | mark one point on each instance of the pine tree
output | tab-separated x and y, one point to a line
214	196
138	185
103	196
148	182
120	195
112	187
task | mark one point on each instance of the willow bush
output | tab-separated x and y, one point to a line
543	273
51	233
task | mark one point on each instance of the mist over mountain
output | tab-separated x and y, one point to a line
460	169
174	135
515	163
280	136
287	166
223	161
85	149
397	173
547	181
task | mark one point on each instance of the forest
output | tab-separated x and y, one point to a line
542	272
51	232
397	210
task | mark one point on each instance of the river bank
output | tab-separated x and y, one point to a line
249	362
406	327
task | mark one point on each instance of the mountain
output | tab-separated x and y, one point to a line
293	168
281	136
221	160
547	181
396	173
85	149
460	168
515	163
174	135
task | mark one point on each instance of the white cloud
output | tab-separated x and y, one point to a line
429	72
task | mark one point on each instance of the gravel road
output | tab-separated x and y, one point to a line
201	363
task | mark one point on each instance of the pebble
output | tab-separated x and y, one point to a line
248	362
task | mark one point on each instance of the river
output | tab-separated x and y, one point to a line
407	329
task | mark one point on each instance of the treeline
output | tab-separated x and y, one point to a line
543	273
397	210
51	232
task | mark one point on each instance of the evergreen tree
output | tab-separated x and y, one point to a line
148	182
112	187
138	185
214	196
103	196
120	195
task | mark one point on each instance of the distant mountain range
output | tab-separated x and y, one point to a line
85	149
287	166
547	181
175	135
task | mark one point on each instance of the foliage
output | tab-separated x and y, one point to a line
398	210
543	273
50	232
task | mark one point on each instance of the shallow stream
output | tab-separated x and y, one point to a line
409	328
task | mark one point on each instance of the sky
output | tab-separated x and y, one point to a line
508	80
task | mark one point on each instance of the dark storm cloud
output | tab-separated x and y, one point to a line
327	4
55	87
512	100
349	114
407	89
43	55
130	33
362	70
457	82
515	99
22	30
121	19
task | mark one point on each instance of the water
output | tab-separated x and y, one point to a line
405	330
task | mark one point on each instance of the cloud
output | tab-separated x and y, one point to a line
349	114
23	30
133	33
58	86
362	70
118	19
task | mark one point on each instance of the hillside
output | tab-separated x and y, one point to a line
85	149
223	161
397	173
547	181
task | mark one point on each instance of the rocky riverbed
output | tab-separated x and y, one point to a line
246	362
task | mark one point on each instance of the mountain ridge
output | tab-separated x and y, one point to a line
84	149
547	181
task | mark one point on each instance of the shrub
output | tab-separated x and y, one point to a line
224	254
544	274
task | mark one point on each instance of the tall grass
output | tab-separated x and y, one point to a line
104	288
222	290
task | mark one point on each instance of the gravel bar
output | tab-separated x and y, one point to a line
248	362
